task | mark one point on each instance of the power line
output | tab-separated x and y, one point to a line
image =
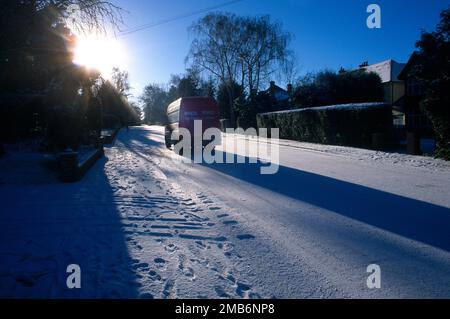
178	17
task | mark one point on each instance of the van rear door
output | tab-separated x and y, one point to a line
203	109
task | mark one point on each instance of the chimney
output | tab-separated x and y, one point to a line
364	64
272	87
289	89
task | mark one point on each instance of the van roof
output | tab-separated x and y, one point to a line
177	104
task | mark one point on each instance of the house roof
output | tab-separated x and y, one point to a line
408	66
277	92
388	70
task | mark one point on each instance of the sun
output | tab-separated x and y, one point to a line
99	53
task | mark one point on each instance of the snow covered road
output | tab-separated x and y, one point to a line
143	225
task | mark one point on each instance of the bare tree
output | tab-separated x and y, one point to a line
85	15
154	100
121	81
245	50
214	49
290	69
263	49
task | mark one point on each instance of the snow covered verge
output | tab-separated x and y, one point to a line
351	106
365	155
28	166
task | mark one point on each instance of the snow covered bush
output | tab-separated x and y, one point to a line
349	124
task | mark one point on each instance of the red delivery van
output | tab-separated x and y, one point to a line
183	112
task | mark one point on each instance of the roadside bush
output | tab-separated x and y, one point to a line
432	70
349	125
65	128
246	113
437	107
20	116
248	109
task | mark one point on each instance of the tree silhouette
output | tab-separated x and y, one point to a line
432	69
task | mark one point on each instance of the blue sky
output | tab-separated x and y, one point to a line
327	33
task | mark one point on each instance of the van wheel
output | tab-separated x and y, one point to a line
168	143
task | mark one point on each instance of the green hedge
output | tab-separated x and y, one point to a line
349	125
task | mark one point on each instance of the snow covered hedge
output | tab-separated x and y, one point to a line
349	124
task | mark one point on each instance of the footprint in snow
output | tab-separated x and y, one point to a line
188	272
171	248
159	261
220	291
201	245
230	222
242	289
168	288
141	266
153	275
245	237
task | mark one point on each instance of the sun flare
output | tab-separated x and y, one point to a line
100	53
